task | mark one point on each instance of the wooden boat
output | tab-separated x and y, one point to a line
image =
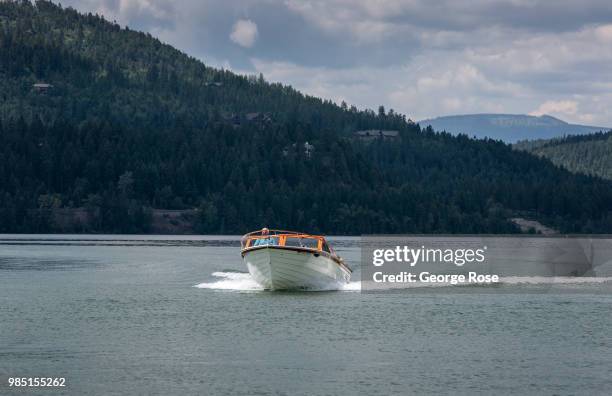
288	260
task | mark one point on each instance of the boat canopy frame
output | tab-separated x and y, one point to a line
281	236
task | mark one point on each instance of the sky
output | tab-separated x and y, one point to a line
422	58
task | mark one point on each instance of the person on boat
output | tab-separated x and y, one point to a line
267	240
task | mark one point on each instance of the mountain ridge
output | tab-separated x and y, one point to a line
508	127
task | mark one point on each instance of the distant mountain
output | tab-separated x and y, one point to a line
588	154
508	127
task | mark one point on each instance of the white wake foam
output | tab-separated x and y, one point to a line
351	286
241	281
504	281
540	280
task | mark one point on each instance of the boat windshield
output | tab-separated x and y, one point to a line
311	243
269	241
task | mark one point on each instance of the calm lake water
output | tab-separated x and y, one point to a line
179	315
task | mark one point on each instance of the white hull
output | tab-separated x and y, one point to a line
284	269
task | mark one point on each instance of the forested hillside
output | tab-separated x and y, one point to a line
588	154
110	123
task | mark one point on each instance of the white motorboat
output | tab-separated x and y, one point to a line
287	260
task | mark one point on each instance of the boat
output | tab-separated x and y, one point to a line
289	260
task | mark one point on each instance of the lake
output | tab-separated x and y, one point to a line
180	315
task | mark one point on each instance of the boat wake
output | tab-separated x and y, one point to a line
242	281
504	281
239	281
542	280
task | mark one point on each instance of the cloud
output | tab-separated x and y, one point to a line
453	15
423	86
244	33
566	107
604	33
145	14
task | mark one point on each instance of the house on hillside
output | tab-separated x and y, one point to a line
258	117
42	87
308	149
234	119
371	134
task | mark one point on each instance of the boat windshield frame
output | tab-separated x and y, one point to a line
279	238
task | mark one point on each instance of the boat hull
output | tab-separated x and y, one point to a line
283	269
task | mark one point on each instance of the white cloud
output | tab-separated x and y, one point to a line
154	13
566	107
420	89
244	33
570	109
365	21
604	33
156	9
